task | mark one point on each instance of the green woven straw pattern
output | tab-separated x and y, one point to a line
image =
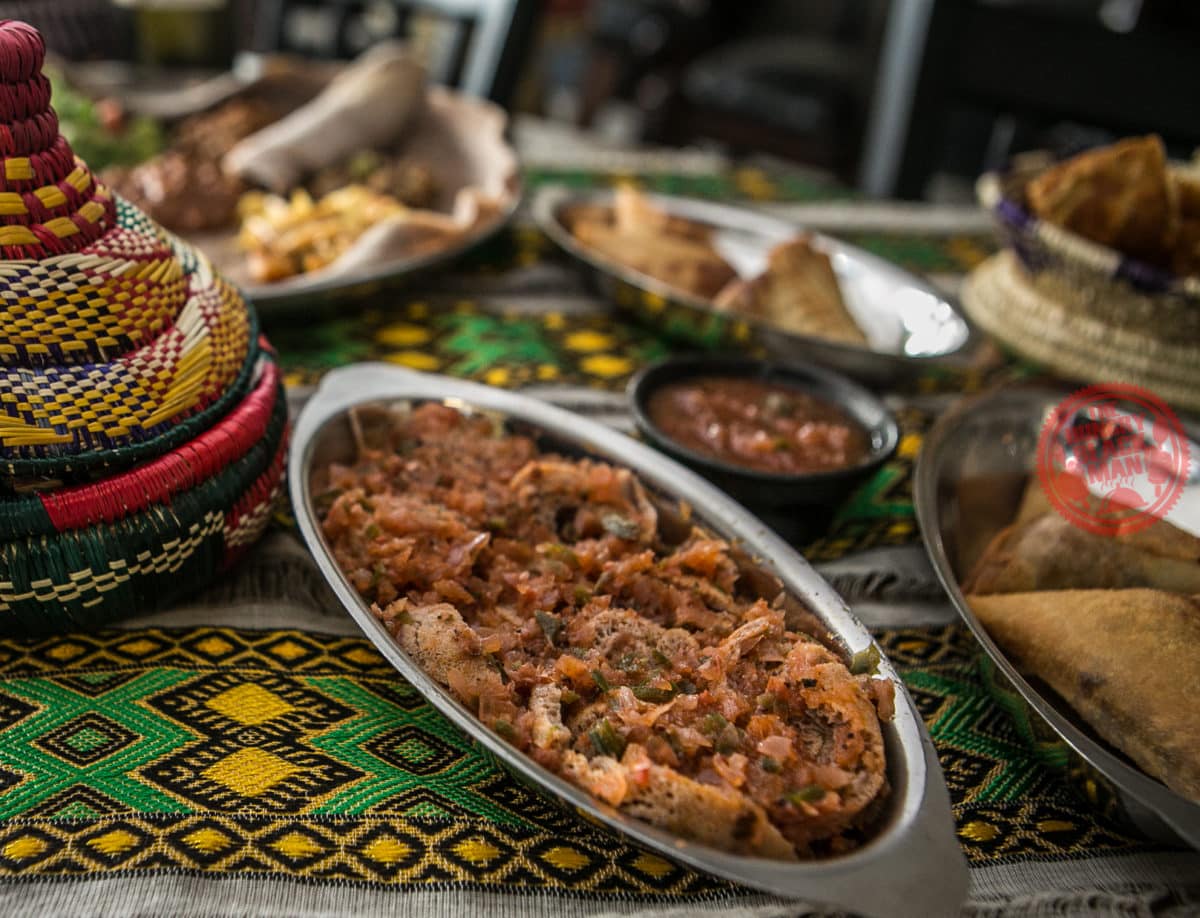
82	578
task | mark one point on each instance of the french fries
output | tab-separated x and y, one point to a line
295	235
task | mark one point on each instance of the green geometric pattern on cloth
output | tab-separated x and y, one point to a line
295	754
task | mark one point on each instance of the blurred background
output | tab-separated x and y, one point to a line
897	98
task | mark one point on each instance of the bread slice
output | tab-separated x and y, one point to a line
686	264
1126	660
798	293
1049	553
1117	195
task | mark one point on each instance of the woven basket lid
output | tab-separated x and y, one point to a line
112	330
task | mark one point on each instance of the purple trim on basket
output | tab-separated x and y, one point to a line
1014	214
1041	246
1033	257
1143	276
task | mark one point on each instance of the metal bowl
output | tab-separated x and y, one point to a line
911	866
771	489
908	323
971	472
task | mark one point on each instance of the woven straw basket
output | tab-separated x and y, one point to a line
142	422
1081	309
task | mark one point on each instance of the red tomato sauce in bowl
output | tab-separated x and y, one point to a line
758	425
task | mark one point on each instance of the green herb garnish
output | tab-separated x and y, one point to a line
606	740
653	694
660	658
551	624
686	687
505	729
372	531
326	499
771	765
559	552
568	697
810	794
767	701
582	595
729	740
603	684
865	662
712	724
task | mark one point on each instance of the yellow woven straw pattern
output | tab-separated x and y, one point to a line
86	304
192	361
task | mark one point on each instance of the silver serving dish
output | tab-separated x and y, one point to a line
912	866
972	470
908	323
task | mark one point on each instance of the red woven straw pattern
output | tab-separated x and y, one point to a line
179	470
22	51
50	204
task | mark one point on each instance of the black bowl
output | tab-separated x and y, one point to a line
772	489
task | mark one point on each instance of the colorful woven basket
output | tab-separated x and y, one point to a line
119	344
133	543
112	331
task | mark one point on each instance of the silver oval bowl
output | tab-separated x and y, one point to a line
908	323
987	447
911	866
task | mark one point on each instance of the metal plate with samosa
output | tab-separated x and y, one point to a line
907	323
910	863
973	469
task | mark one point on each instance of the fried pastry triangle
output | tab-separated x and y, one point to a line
1125	660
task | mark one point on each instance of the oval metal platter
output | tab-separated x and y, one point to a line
973	467
908	323
911	866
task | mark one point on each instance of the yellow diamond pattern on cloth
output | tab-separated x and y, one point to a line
564	858
587	341
416	360
208	840
250	771
402	334
288	650
652	866
296	845
387	849
65	651
139	648
214	646
979	831
24	847
476	850
249	704
118	841
606	365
